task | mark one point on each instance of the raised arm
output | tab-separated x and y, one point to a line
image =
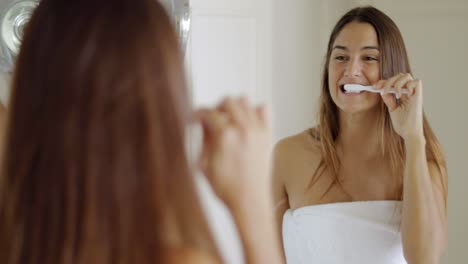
424	220
237	161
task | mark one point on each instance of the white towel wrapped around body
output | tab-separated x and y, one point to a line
352	233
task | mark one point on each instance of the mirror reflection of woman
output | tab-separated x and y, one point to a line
369	183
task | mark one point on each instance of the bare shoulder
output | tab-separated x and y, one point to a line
189	255
296	145
296	155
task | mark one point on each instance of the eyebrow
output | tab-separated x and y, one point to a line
363	48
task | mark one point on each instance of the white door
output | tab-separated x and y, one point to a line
230	50
229	53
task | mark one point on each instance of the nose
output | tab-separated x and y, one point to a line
353	68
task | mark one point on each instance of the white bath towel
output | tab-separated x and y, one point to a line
351	233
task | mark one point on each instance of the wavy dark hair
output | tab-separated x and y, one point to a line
96	170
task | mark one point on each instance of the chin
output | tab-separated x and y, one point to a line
357	108
354	103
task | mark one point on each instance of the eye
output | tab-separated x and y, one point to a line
370	58
340	58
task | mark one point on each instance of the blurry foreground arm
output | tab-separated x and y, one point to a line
280	196
236	159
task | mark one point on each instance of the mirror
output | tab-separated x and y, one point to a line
281	63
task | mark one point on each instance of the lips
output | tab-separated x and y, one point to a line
342	88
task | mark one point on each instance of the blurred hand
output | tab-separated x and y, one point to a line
236	150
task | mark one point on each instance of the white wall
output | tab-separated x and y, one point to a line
436	35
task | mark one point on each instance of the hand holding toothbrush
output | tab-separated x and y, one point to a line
405	108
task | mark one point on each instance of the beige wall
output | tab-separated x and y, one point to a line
436	35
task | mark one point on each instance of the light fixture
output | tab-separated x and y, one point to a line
179	11
16	15
12	23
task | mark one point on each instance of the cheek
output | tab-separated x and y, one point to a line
333	73
373	73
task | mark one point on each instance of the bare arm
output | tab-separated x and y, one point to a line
424	220
254	219
280	197
424	214
236	159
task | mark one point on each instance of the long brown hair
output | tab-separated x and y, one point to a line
96	170
393	60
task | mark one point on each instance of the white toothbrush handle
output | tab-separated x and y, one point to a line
403	91
371	89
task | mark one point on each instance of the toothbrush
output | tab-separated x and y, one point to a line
356	88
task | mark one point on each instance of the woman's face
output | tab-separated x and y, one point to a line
355	59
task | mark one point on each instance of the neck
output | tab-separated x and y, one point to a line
359	135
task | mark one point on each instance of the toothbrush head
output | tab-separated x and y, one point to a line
354	88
